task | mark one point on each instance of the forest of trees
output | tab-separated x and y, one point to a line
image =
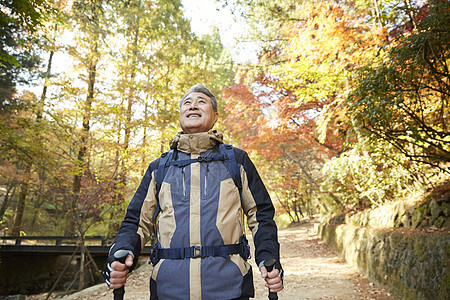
345	108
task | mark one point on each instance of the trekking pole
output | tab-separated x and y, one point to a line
269	264
120	256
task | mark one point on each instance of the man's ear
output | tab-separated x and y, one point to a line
216	117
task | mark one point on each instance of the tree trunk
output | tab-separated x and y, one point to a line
286	209
22	201
82	262
131	99
144	137
76	189
311	181
11	186
411	13
377	12
46	80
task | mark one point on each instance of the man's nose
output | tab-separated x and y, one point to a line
194	105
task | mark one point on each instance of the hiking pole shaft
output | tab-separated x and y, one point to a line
120	256
269	264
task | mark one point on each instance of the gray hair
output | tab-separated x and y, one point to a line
198	88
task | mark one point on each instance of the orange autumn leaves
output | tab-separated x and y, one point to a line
323	54
331	34
304	91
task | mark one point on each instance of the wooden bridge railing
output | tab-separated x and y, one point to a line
54	245
58	240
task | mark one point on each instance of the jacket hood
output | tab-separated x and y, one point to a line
195	143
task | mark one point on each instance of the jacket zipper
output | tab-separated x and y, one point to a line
184	182
206	178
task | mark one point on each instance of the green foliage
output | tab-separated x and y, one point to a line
26	13
89	137
403	96
282	221
390	13
368	175
18	20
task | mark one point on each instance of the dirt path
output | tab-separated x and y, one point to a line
312	271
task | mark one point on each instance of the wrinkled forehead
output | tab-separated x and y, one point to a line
195	95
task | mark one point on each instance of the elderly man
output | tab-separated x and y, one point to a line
193	199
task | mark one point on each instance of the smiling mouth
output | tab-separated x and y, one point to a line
193	116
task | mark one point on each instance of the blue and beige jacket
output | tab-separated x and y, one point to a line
200	205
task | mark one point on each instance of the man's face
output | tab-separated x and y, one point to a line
197	114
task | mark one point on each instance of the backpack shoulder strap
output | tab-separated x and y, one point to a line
160	173
233	167
231	163
162	169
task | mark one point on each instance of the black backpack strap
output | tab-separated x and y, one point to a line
232	165
160	173
235	171
186	162
162	169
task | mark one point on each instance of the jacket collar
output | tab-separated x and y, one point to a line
196	143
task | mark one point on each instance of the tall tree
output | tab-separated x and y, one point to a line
88	15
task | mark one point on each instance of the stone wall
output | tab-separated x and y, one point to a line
412	265
404	248
432	212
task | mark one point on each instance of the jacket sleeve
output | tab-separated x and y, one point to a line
259	210
137	226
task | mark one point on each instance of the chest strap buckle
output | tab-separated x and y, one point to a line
197	251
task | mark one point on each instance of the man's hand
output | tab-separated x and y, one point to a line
273	279
119	272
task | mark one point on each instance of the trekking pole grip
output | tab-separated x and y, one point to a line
120	256
269	264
